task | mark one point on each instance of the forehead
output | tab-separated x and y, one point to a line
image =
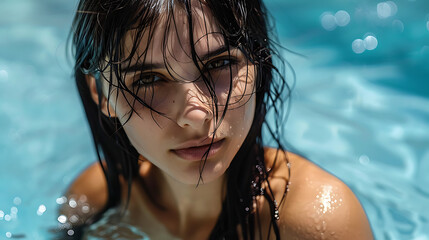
174	34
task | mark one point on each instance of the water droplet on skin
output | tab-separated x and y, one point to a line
324	225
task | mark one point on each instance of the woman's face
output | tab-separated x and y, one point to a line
166	78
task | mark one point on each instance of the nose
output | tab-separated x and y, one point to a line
195	112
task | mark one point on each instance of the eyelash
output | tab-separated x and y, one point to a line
154	79
229	62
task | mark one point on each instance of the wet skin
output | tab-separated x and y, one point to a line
165	203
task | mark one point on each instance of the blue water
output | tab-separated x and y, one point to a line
361	114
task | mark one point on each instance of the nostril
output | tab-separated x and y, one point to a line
195	116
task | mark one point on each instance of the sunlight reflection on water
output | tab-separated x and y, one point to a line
360	112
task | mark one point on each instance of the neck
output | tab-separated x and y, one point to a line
185	205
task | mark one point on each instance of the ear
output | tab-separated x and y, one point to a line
92	85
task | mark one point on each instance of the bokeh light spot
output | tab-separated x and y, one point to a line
393	8
342	18
70	232
85	209
61	200
17	200
383	10
328	21
72	203
386	9
370	42
13	210
74	219
358	46
62	219
398	25
41	210
364	160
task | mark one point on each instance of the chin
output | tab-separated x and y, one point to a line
212	171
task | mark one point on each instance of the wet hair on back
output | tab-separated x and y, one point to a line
97	36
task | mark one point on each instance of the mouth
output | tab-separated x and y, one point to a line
196	153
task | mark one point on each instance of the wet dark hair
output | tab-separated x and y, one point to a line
98	34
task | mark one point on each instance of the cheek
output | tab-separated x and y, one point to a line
240	88
145	135
160	98
240	118
250	109
142	126
137	131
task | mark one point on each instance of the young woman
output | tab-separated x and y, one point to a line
176	93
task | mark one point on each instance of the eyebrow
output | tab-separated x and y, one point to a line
141	67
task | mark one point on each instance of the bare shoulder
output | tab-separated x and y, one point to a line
318	205
88	193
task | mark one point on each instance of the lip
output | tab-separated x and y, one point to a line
194	150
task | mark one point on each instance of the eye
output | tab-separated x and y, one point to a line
220	63
146	79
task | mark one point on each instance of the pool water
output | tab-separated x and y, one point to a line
360	107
